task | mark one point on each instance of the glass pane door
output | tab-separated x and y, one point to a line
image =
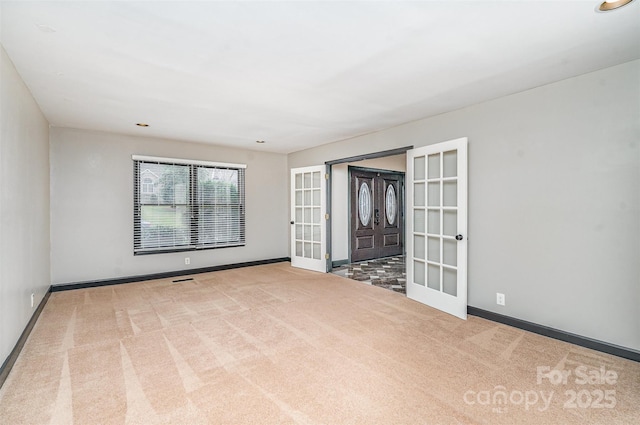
437	249
308	193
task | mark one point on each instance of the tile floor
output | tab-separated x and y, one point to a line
388	273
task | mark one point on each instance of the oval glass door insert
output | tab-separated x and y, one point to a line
364	204
391	204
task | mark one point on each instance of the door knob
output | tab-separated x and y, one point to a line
458	237
292	222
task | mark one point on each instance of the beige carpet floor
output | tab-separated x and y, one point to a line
277	345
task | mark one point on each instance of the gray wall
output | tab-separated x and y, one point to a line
554	199
24	205
92	206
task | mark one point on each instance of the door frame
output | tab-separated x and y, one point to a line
356	158
401	210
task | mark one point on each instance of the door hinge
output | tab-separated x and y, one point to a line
326	216
326	176
326	256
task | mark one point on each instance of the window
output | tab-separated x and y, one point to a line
147	185
190	205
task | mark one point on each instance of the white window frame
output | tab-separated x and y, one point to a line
146	185
222	226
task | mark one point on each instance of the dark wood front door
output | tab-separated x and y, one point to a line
376	213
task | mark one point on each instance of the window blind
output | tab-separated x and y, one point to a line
182	205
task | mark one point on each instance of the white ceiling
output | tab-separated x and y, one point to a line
297	74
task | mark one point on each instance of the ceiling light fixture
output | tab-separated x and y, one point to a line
141	124
608	5
260	141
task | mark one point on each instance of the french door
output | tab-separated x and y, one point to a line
308	218
437	226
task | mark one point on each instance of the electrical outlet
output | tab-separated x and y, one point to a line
499	298
187	260
32	295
